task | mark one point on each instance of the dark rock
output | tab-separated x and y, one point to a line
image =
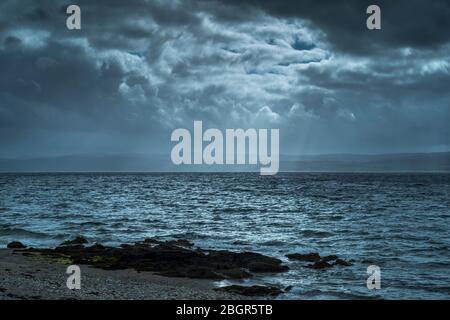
97	247
252	290
70	248
330	258
259	266
246	258
15	296
16	245
288	288
181	243
151	241
235	273
255	262
177	242
77	240
174	258
341	262
310	257
320	265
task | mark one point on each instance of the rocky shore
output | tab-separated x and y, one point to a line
34	278
149	269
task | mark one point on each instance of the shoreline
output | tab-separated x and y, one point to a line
29	278
146	270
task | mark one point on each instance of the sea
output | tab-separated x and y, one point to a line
399	222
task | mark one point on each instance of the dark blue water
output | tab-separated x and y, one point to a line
399	222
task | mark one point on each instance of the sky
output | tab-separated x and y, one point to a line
137	70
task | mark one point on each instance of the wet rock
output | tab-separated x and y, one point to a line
174	258
77	240
181	243
236	273
16	245
255	290
16	296
288	288
310	257
255	262
70	248
342	262
330	258
259	266
320	265
319	262
97	247
177	242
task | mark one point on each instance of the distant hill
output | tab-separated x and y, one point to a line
85	163
439	161
144	163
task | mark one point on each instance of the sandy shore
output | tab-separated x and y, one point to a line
31	277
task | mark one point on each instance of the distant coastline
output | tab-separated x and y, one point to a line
119	163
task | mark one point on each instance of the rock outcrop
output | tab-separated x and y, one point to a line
174	258
319	262
16	245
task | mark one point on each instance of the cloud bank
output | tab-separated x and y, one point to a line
140	69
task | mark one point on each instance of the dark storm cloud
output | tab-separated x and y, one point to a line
414	23
139	69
